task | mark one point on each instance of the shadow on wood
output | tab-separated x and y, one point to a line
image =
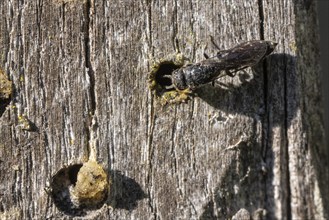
125	191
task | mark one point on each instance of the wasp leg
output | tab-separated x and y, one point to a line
176	96
213	42
229	73
233	72
226	86
240	69
183	95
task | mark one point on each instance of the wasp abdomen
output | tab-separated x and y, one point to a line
195	75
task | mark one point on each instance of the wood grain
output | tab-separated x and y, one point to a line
254	147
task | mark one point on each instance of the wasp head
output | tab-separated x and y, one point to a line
178	79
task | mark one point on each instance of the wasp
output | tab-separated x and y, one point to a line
226	62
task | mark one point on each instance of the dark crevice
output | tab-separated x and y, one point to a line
265	73
151	119
192	21
286	145
266	120
266	131
151	153
175	27
90	71
39	65
150	26
261	19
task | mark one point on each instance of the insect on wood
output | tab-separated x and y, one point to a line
226	62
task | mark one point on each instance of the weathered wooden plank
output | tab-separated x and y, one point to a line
296	138
204	174
45	58
79	70
119	62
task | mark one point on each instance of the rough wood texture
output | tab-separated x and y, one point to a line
79	68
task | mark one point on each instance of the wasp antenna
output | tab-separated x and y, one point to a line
169	87
167	76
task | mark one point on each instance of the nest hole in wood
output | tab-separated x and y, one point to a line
79	189
160	82
162	76
161	71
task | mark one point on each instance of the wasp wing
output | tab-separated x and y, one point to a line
245	54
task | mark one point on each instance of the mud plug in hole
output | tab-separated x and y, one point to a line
79	189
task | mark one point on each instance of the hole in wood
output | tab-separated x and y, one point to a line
160	82
162	76
80	188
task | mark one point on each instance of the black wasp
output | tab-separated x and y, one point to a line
227	62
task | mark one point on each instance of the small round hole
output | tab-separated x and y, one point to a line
162	76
